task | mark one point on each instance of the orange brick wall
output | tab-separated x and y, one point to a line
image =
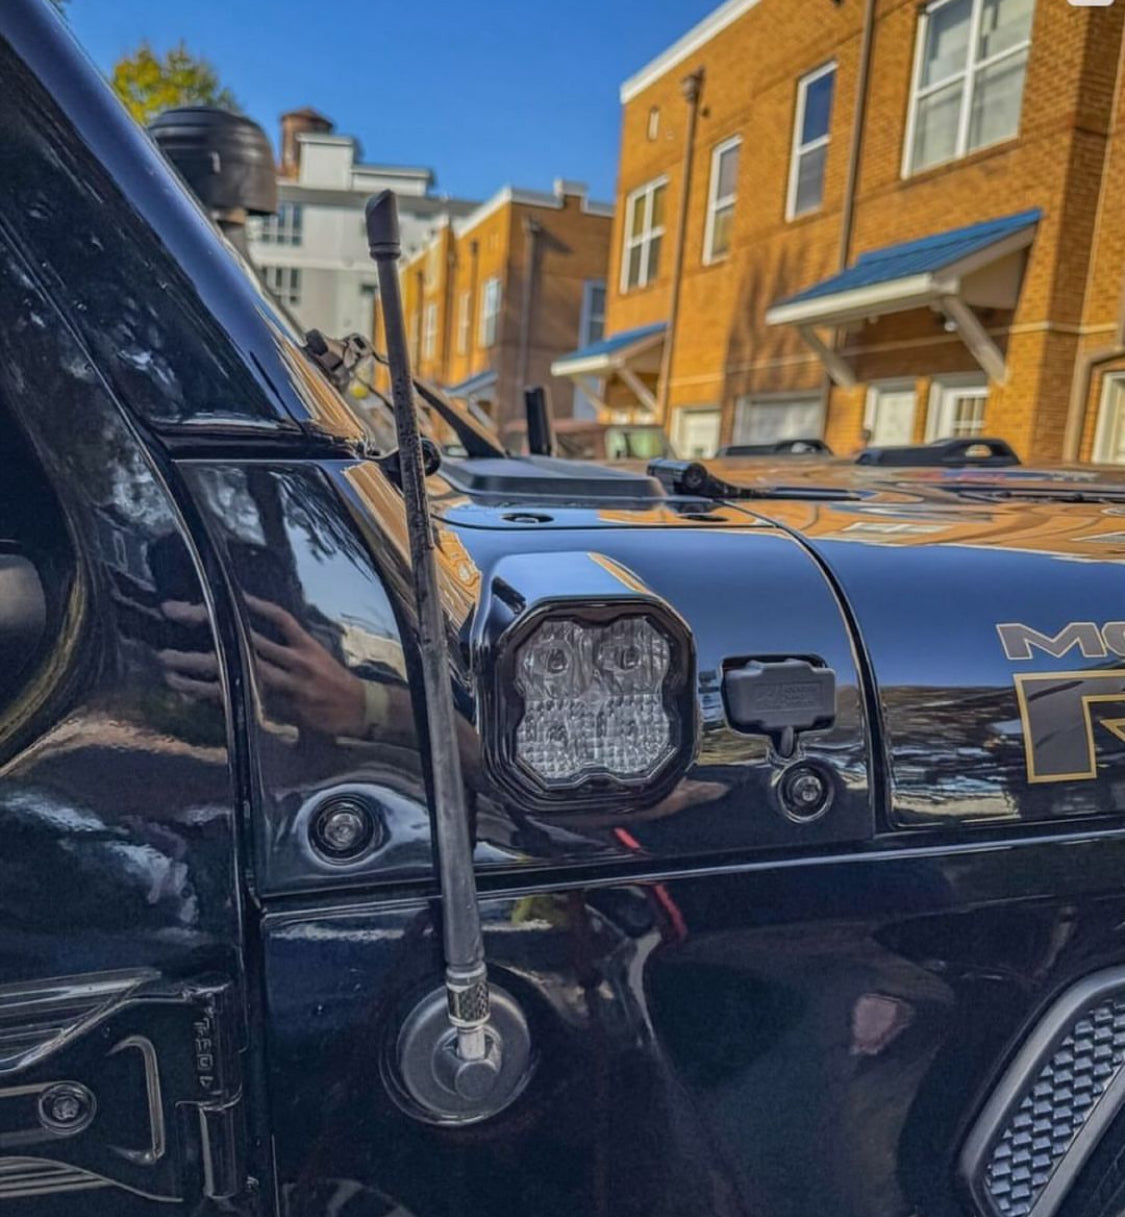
723	348
483	252
573	248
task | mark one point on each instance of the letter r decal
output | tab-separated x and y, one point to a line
1060	715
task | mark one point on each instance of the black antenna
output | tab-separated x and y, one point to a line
540	428
462	1054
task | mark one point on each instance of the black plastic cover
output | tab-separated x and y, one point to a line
975	450
225	158
786	695
780	447
551	478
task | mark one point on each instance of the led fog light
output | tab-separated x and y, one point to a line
588	700
593	700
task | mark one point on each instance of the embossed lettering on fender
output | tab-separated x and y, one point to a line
1064	714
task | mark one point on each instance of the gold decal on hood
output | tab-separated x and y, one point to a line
1060	712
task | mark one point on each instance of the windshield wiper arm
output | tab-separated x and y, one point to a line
341	360
475	438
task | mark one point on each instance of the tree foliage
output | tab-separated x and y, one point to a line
148	83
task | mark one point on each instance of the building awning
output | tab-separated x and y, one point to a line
629	354
473	386
601	357
953	272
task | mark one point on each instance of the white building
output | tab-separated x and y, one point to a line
313	253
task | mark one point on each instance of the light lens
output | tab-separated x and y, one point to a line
593	700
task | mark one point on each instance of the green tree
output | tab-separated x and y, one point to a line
148	83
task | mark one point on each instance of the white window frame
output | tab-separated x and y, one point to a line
717	203
285	283
968	74
464	309
1104	432
286	227
644	241
429	330
489	311
799	149
942	390
589	287
653	129
750	400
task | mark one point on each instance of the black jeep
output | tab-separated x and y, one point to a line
529	838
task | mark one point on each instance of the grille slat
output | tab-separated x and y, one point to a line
1060	1092
1054	1110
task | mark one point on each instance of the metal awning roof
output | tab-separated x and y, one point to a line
952	272
610	353
473	386
910	275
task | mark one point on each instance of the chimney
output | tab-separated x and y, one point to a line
294	123
568	188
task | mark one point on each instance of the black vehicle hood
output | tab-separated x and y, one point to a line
927	566
950	596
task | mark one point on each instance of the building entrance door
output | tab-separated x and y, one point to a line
696	432
891	411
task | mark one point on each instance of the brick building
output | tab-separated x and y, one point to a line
493	298
874	220
313	252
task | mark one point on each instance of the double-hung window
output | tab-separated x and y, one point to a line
721	199
283	228
958	407
285	283
968	78
592	322
1109	443
810	141
490	312
644	234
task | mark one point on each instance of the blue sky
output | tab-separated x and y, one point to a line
489	94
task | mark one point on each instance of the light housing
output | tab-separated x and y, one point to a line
588	697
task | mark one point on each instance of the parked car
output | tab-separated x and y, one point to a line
781	447
794	799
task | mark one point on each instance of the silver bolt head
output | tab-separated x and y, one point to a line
343	829
66	1108
808	789
474	1080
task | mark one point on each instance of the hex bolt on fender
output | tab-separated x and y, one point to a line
463	1053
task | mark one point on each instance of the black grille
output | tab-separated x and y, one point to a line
1051	1114
1052	1104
